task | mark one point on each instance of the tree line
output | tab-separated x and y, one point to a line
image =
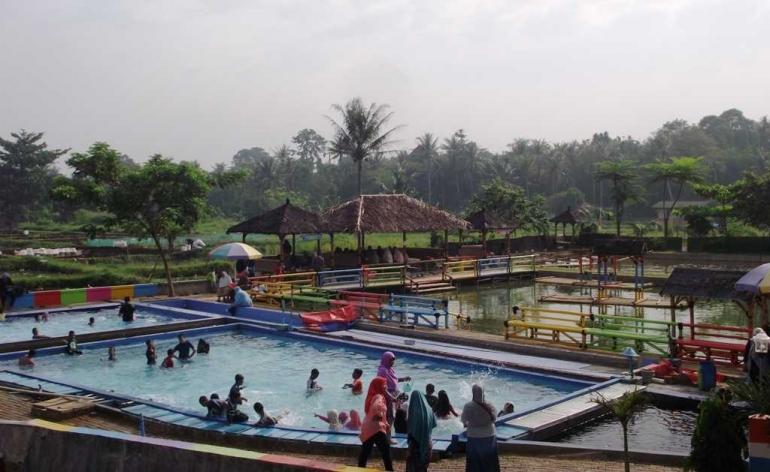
617	173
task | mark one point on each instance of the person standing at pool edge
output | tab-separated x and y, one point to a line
184	347
375	428
420	424
386	371
127	310
478	417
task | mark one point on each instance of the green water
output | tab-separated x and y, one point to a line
490	305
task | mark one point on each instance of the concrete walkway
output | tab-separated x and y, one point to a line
464	351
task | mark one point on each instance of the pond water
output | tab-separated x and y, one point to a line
490	305
653	429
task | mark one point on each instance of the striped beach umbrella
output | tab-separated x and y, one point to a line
235	251
756	281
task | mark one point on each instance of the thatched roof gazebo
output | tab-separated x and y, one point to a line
692	284
284	220
484	221
567	217
388	213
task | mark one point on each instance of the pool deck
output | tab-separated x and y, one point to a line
16	407
467	352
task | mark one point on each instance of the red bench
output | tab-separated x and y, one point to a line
730	352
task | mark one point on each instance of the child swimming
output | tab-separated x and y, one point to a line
312	384
236	388
357	385
333	418
168	362
444	409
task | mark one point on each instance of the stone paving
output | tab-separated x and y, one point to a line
17	407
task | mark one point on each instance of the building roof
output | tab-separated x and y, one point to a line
704	283
484	220
619	247
389	214
569	217
682	204
286	219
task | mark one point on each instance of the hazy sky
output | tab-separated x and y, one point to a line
201	79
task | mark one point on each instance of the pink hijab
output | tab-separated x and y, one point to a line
355	420
387	372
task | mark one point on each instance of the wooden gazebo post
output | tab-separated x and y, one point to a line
484	242
508	242
446	244
331	245
403	247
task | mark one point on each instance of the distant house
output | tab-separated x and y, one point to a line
676	221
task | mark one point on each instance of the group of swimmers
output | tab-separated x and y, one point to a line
183	351
184	348
126	312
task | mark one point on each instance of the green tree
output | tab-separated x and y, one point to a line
160	199
718	442
622	175
678	171
624	409
26	166
750	200
427	150
361	133
310	146
510	202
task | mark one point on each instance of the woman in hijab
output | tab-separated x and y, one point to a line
420	424
758	364
374	429
223	285
387	372
354	423
481	450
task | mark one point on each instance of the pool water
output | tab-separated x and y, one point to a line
653	429
276	369
488	306
19	328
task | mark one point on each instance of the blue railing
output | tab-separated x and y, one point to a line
337	278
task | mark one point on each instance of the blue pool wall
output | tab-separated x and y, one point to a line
144	307
193	334
253	314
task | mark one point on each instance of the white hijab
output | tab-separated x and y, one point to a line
761	341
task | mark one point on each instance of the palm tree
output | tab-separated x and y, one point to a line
360	134
621	175
428	149
474	156
678	171
624	409
454	148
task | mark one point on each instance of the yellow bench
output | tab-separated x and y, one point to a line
555	330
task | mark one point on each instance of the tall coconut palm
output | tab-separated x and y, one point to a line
360	134
622	176
678	171
427	147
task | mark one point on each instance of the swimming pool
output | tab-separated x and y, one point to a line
276	367
18	327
